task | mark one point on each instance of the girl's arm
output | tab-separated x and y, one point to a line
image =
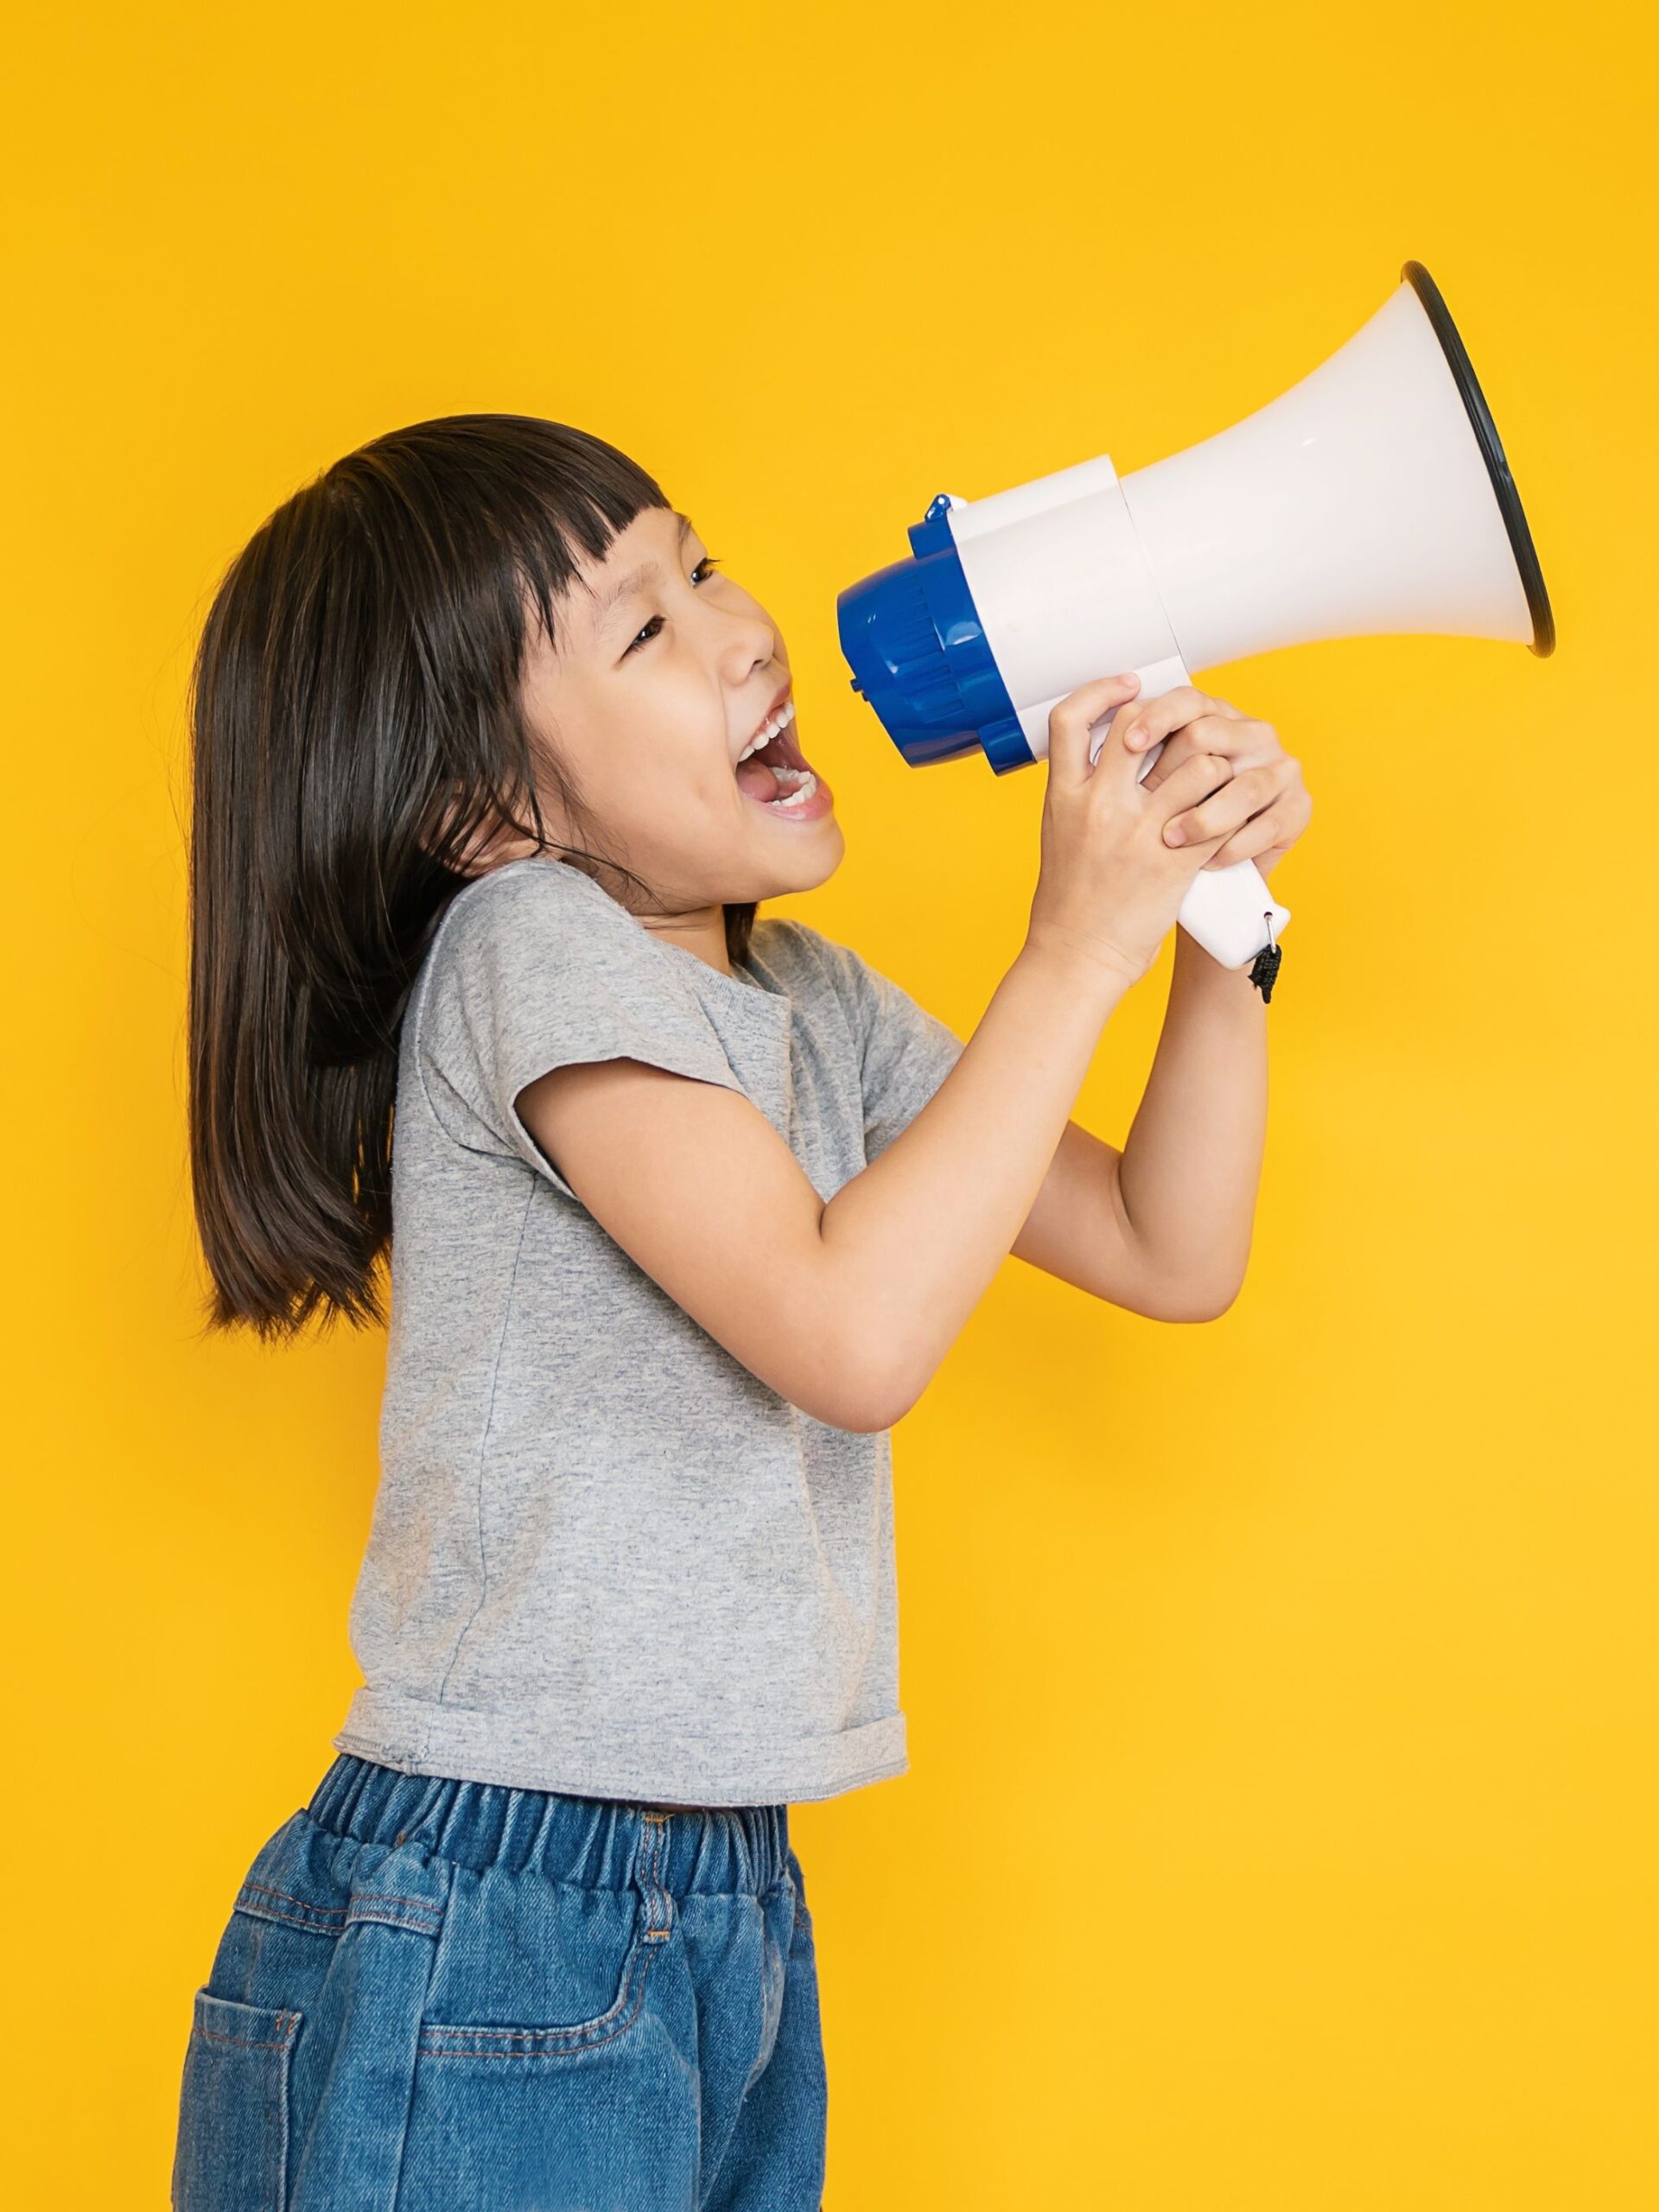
1193	1160
1183	1190
1185	1185
845	1308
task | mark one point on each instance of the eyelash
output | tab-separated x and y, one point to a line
709	561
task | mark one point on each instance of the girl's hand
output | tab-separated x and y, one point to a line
1193	722
1111	883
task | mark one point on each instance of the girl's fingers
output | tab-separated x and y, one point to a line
1162	717
1071	720
1181	746
1265	832
1225	810
1229	735
1276	829
1198	782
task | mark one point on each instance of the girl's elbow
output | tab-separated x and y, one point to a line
860	1410
838	1371
875	1402
877	1386
1189	1302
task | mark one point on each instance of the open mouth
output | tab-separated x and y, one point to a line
776	774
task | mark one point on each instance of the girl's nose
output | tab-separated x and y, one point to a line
752	646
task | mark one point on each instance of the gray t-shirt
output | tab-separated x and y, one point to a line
606	1558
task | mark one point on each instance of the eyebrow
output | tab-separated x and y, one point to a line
625	587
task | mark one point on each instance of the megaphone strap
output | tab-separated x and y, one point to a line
1264	968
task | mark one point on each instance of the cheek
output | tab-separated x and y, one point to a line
720	794
710	781
675	792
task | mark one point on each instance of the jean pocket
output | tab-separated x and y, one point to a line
599	1956
233	2125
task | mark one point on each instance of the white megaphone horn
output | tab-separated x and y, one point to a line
1373	497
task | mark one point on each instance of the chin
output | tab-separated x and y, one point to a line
814	867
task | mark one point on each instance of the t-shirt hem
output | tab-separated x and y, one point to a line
463	1745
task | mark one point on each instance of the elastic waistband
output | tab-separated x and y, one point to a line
595	1841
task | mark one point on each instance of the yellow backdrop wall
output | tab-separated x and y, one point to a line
1279	1824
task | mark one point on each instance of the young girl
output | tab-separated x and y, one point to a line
492	767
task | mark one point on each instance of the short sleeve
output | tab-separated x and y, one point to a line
538	967
905	1052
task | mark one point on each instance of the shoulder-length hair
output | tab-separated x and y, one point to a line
356	723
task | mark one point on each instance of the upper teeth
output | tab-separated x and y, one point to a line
781	720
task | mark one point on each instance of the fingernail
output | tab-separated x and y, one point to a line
1173	836
1135	737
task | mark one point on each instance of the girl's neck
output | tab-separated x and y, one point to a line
703	933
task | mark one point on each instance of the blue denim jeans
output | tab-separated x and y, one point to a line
442	1996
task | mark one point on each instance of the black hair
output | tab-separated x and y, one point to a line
356	725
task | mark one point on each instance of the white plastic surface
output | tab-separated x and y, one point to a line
1067	593
1357	504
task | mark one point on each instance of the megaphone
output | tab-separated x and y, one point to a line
1373	497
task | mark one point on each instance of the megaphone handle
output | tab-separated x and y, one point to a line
1232	913
1229	911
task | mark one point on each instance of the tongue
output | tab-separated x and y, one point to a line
754	778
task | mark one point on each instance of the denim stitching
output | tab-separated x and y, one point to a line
264	1889
285	2036
659	1833
422	1917
528	2042
363	1913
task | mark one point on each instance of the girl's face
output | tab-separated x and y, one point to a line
666	670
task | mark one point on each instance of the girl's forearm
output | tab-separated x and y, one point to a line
916	1237
1193	1160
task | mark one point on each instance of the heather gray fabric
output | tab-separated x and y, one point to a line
604	1557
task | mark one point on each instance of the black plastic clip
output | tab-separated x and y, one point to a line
1264	968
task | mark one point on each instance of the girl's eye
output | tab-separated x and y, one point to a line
709	561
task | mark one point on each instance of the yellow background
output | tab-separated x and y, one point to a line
1280	1829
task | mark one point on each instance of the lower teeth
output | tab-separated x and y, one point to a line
803	791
